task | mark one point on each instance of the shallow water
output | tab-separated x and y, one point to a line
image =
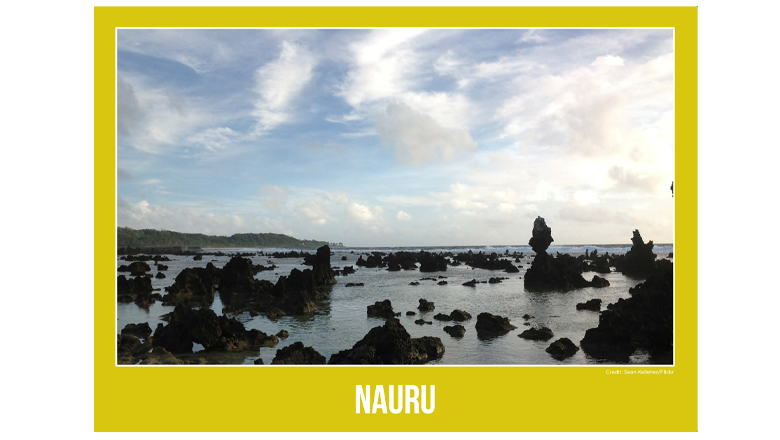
341	321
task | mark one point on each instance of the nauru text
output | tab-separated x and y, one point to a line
407	398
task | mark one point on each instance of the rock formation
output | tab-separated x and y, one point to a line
390	344
297	354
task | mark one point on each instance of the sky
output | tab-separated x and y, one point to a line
398	137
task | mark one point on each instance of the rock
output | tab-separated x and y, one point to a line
160	275
130	349
472	283
593	304
353	284
456	331
390	344
133	286
297	354
414	283
160	356
442	317
430	262
541	236
323	273
491	261
442	283
343	258
671	255
193	286
162	267
198	257
460	315
562	348
494	280
259	361
599	282
639	261
540	334
489	325
142	331
527	316
410	313
283	334
423	322
275	313
643	321
425	306
381	309
204	327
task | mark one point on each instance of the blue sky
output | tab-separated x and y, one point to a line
398	137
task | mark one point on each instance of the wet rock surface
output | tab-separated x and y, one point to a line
537	334
489	325
456	331
390	344
298	354
562	349
382	309
592	304
643	321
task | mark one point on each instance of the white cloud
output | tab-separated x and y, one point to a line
417	138
129	116
608	60
403	216
278	84
590	213
213	139
315	212
626	179
143	215
151	181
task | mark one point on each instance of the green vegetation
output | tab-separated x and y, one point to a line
152	237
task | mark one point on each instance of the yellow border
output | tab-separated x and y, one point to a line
467	398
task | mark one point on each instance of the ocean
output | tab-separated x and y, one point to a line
341	321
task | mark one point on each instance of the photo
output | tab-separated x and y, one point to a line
395	196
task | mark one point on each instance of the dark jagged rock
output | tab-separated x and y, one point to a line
494	280
456	331
198	257
323	273
432	262
489	325
343	258
562	348
643	321
297	354
593	304
541	236
162	267
540	334
353	285
193	286
348	270
425	306
160	275
283	334
410	313
259	361
423	322
460	315
160	356
491	261
599	282
442	317
381	309
135	268
472	283
130	349
390	344
203	326
549	273
414	283
639	261
133	286
442	283
527	316
142	330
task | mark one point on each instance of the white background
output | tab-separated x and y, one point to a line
46	76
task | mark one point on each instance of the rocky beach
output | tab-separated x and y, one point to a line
515	305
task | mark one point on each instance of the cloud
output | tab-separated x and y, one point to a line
315	212
129	117
273	197
627	179
608	60
417	138
152	181
143	215
363	212
533	36
588	213
403	216
278	84
213	139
